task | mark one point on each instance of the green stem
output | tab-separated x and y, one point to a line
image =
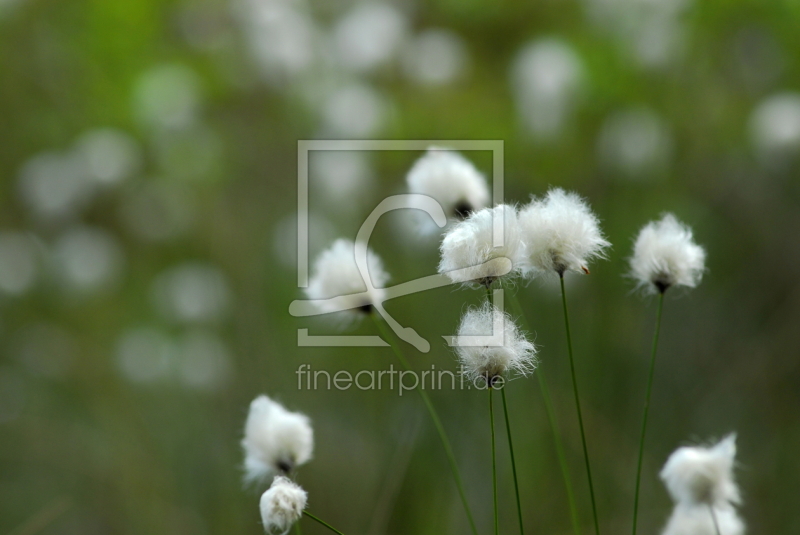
297	529
646	410
578	406
494	459
714	519
312	517
551	418
513	461
448	449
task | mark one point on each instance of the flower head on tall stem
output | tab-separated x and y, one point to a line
275	440
336	274
469	245
516	355
451	179
665	255
282	505
560	233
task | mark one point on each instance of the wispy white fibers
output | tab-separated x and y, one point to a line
275	440
560	233
700	481
514	355
451	179
282	505
665	255
336	274
469	245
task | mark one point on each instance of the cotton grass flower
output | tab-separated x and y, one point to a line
694	520
516	355
336	274
451	179
560	233
703	475
469	245
666	255
282	505
275	440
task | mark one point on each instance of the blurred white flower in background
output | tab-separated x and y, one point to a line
546	79
634	142
157	211
87	259
652	32
192	292
282	37
355	111
145	355
55	185
435	57
112	156
20	259
167	97
368	36
341	179
775	129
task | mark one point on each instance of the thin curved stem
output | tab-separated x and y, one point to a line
494	460
714	519
551	418
578	406
513	461
647	410
312	517
448	449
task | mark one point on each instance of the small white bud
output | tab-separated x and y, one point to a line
665	255
560	233
282	505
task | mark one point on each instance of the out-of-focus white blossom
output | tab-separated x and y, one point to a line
355	111
192	292
469	245
561	233
111	155
167	97
55	186
369	35
703	475
546	78
435	57
87	259
514	355
451	180
275	441
697	520
775	129
666	255
282	505
335	274
345	178
634	143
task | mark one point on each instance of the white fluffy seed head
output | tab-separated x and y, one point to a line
696	475
515	355
282	505
666	255
275	440
560	233
336	274
697	520
451	179
469	244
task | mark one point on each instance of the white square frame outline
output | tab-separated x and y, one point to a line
304	146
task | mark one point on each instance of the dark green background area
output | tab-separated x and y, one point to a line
90	452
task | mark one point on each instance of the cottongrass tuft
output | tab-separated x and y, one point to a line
560	233
275	440
451	179
282	505
336	274
700	481
469	245
516	355
666	255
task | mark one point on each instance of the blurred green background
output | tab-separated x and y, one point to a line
148	157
